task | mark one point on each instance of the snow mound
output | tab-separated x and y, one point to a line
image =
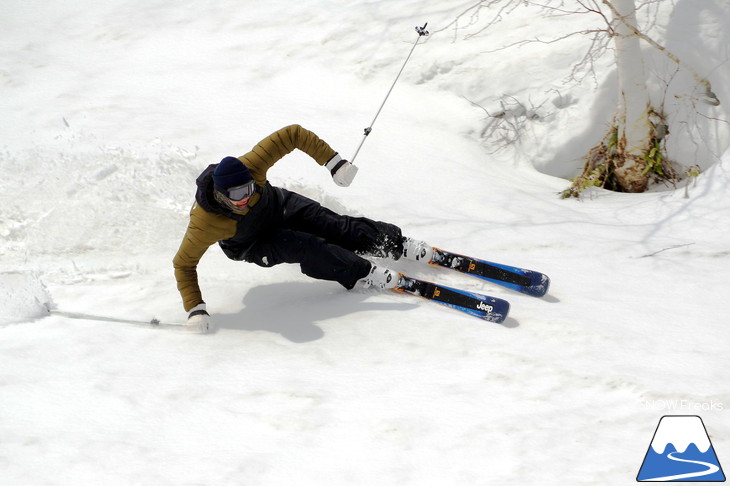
22	297
97	198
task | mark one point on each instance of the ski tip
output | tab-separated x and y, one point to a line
499	313
546	285
540	284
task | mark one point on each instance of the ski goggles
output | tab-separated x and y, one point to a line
239	193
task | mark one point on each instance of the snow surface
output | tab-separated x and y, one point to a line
111	109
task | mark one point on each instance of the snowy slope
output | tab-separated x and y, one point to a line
111	110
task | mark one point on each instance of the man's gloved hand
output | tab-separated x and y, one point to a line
343	172
199	320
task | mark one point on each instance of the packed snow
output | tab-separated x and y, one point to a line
112	109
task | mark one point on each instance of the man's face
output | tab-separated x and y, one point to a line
236	198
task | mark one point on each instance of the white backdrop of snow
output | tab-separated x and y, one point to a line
111	109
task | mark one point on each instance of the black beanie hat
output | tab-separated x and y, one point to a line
231	173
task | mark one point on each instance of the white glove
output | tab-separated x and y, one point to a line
343	172
199	320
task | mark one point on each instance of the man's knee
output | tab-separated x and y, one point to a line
383	240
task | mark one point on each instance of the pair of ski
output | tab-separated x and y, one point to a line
478	305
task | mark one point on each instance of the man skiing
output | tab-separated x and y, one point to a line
253	221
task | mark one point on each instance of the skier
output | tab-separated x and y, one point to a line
253	221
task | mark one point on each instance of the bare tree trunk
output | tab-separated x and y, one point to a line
632	117
633	151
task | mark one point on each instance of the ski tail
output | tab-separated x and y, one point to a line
525	281
482	306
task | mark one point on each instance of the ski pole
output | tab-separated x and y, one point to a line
154	322
421	33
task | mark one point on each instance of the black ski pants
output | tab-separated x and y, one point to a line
325	244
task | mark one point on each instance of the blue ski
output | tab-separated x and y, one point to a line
482	306
526	281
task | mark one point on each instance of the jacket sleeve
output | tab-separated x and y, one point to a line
269	150
204	230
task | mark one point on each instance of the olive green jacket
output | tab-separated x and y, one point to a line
207	228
